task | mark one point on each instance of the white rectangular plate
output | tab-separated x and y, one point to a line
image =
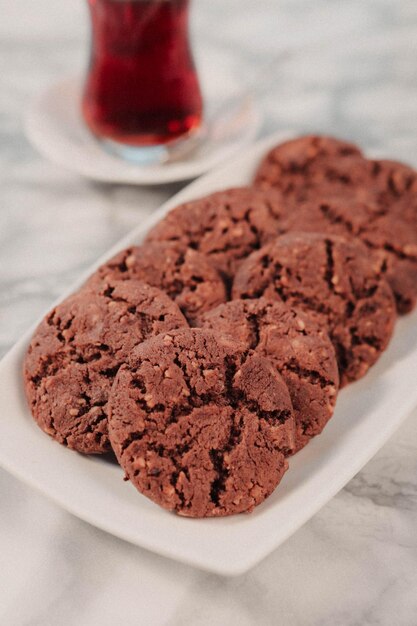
367	413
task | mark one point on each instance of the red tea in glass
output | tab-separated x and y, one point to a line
142	88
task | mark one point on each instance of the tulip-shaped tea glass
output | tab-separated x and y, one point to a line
142	96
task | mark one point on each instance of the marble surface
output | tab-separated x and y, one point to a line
348	68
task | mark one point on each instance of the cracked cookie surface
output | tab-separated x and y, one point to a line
298	347
185	275
300	166
390	238
77	350
374	200
225	226
394	234
200	426
333	280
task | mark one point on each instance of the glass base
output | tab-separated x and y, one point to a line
154	155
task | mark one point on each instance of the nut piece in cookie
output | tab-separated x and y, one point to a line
77	350
225	226
298	347
334	281
184	274
200	426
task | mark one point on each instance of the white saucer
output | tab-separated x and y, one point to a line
55	127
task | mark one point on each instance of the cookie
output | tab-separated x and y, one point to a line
200	426
393	235
390	237
225	226
334	281
184	274
77	350
299	348
393	243
300	166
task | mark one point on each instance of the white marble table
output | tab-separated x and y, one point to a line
353	72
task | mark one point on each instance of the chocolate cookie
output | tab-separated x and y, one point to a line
393	243
390	237
394	234
394	186
200	426
76	351
184	274
225	226
299	348
334	281
299	167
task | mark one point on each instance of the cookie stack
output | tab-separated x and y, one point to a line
213	351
